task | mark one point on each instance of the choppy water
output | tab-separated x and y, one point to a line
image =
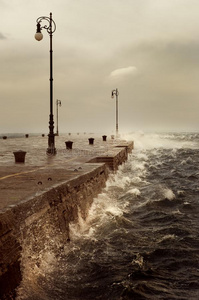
141	238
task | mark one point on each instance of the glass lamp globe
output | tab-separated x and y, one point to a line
38	36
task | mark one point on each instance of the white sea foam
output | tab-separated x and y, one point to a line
143	204
118	180
136	179
114	211
177	212
167	237
134	191
78	228
150	141
139	166
168	194
142	156
102	210
180	193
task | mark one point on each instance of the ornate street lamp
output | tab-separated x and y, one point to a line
50	27
58	103
116	93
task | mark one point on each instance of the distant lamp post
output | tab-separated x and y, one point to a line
58	103
50	27
116	93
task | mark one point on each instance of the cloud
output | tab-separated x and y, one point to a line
2	37
123	72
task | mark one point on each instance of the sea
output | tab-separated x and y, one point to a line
141	237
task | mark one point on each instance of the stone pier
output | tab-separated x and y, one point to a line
42	200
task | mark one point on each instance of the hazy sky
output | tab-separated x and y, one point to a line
148	49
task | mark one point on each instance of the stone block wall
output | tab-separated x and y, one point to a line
112	160
43	220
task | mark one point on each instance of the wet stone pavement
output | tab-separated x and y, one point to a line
40	171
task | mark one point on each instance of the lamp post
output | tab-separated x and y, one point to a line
50	27
116	93
58	103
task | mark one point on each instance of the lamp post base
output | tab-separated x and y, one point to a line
51	151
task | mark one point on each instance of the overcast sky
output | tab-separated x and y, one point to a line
148	49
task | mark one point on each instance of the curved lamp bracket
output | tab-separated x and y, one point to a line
50	27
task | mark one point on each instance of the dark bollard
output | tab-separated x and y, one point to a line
91	141
4	137
104	138
43	135
27	135
19	156
69	144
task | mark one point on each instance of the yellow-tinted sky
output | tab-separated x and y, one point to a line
148	49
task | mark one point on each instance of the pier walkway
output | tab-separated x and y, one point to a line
41	172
